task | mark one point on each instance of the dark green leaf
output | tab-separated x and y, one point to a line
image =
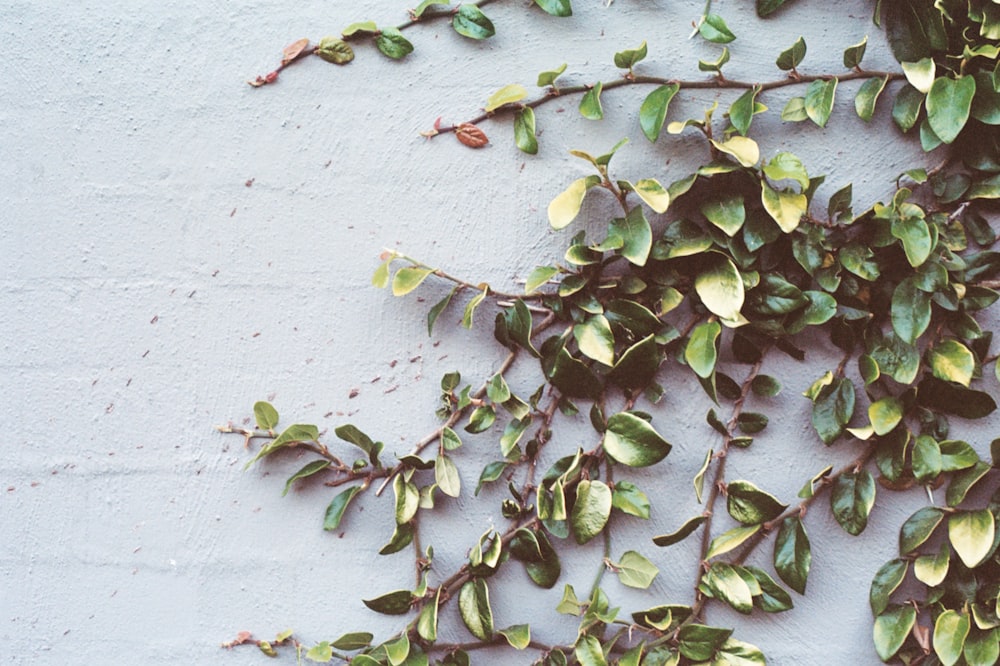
392	43
832	409
574	378
791	57
653	111
439	307
949	103
963	481
699	642
555	8
891	629
628	58
633	441
792	554
954	399
906	108
335	512
402	536
910	310
636	235
852	500
353	641
886	580
308	470
773	597
854	54
391	603
680	533
471	22
918	528
524	132
750	505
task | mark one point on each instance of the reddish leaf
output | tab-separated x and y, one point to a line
471	136
293	50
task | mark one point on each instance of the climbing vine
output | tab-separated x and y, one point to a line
713	274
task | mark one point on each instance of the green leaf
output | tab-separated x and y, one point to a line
786	165
636	571
407	499
971	534
439	307
265	415
773	597
949	103
885	582
590	105
926	459
591	509
353	641
297	432
595	339
854	54
653	111
427	621
538	277
565	207
910	311
952	361
744	149
701	351
792	554
470	307
906	108
784	206
320	653
392	43
308	470
730	539
885	414
963	481
396	651
726	584
867	97
653	194
556	8
409	278
628	58
918	528
982	648
852	500
392	603
361	26
832	409
627	498
518	635
950	631
423	6
524	133
471	22
334	50
335	512
474	605
588	652
916	238
714	29
765	386
766	7
547	570
548	78
819	100
402	536
634	442
509	94
699	642
681	533
716	66
720	287
728	214
636	235
750	505
446	476
699	478
891	629
931	570
956	455
942	396
742	111
791	57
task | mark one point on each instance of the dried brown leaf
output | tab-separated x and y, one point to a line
293	50
471	136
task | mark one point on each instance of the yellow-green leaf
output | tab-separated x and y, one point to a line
744	149
565	207
784	206
720	287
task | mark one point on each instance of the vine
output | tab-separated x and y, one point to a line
713	274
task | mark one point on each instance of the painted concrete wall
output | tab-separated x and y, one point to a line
178	245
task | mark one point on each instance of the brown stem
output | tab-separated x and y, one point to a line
712	84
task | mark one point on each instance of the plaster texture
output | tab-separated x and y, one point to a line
178	245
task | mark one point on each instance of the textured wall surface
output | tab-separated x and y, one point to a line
178	245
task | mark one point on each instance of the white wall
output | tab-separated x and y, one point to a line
179	245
